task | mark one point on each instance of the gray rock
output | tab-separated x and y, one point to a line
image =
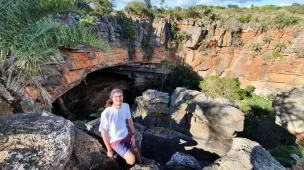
180	158
35	141
155	96
289	109
194	35
89	154
93	127
160	143
246	154
211	123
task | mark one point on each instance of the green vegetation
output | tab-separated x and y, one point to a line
80	123
272	56
280	47
230	88
244	18
261	17
30	38
137	8
267	39
180	76
221	87
256	47
286	154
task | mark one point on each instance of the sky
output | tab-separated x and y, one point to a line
120	4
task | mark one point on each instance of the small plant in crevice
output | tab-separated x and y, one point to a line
267	39
280	47
237	41
256	47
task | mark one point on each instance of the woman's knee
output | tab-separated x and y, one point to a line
130	158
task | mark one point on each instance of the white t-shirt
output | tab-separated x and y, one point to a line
113	121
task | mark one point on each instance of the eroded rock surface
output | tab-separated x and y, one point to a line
246	154
35	141
289	109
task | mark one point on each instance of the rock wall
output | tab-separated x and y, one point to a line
211	49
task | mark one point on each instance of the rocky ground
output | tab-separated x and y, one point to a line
186	130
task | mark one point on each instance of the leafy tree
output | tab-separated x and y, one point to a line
30	38
102	6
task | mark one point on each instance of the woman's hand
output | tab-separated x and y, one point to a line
133	140
110	153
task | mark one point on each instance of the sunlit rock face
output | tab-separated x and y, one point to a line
35	141
192	123
289	109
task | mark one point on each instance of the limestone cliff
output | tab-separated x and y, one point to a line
210	49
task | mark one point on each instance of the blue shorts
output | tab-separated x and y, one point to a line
122	146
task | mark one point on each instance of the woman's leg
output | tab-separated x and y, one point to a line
129	157
137	155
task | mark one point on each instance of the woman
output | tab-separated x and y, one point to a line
114	131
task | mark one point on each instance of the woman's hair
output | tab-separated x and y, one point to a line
109	102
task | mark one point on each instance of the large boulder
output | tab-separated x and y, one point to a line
89	154
289	109
211	123
180	158
35	141
161	143
246	154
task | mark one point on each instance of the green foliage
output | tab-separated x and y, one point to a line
180	76
233	6
192	13
277	55
103	7
283	20
256	47
284	154
95	115
267	39
272	56
221	87
80	123
244	18
129	32
236	39
263	27
88	20
28	32
258	105
203	46
280	47
136	7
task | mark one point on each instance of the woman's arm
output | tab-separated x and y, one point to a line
105	139
131	126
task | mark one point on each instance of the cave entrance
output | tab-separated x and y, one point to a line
89	97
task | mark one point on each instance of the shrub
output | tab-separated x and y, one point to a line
284	154
284	20
236	39
258	105
277	55
256	47
263	27
267	39
192	13
180	76
244	18
280	47
221	87
138	8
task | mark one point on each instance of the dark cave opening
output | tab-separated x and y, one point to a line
90	95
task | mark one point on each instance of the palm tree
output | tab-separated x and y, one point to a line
29	38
